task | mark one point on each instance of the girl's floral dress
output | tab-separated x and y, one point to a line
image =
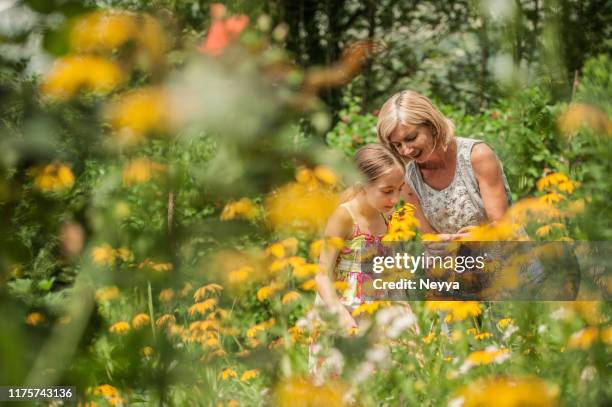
357	250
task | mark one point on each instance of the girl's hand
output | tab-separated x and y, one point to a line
346	319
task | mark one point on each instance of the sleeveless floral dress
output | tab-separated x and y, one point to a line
361	247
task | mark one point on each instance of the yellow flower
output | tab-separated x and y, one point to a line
243	208
552	198
482	336
262	326
267	291
240	275
165	320
140	320
290	297
567	186
326	175
583	338
200	293
299	207
102	30
429	337
34	318
543	230
487	356
340	286
227	373
54	177
430	237
166	295
318	245
120	327
456	310
531	209
140	112
107	294
309	285
578	115
187	287
104	254
202	307
106	390
504	323
305	175
403	225
554	178
277	250
147	351
496	231
140	170
300	392
369	307
105	31
72	73
306	270
249	374
508	392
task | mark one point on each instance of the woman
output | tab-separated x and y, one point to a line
455	183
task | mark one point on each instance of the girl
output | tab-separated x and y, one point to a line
361	221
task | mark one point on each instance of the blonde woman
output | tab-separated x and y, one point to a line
455	183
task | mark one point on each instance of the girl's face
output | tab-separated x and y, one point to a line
413	142
384	193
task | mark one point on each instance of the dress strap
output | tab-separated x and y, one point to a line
345	206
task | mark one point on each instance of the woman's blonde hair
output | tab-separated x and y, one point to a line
410	107
372	161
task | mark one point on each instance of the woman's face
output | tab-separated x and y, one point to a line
413	142
384	193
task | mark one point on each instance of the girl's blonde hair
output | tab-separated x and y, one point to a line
410	107
372	161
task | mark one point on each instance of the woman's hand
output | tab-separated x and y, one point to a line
441	247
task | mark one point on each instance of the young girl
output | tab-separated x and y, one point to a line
361	221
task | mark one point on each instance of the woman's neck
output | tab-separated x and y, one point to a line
441	158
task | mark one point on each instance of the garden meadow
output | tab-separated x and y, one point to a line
167	174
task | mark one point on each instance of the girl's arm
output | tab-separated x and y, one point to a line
339	225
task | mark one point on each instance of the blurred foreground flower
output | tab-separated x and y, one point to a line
298	392
223	31
243	208
139	113
579	115
507	392
105	254
141	170
53	177
34	318
73	73
302	206
106	31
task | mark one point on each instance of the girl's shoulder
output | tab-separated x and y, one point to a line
340	223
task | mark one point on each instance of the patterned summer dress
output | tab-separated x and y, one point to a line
358	249
459	204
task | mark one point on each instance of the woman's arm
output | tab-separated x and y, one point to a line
488	172
340	225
